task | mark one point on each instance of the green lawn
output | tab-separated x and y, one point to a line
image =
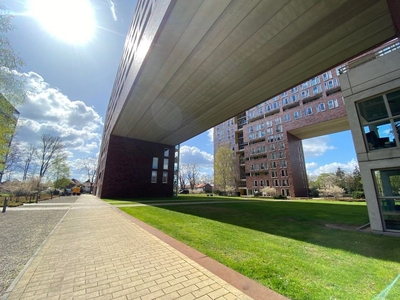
301	249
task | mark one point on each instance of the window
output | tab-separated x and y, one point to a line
380	121
315	80
284	164
317	89
297	115
327	75
273	164
166	152
278	121
331	84
165	177
333	103
387	182
273	174
153	176
286	118
268	123
279	128
155	163
255	182
285	101
261	183
294	97
305	94
320	107
308	111
165	166
294	90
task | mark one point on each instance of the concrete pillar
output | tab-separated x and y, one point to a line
394	7
129	167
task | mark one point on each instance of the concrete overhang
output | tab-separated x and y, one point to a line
211	60
322	128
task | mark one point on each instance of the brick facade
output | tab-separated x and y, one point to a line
128	169
262	137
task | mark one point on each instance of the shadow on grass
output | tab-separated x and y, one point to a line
327	224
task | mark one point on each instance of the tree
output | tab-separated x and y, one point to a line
89	165
269	191
12	86
192	175
12	158
356	181
225	168
52	150
61	183
27	157
182	176
60	169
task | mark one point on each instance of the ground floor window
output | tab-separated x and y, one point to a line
154	177
387	183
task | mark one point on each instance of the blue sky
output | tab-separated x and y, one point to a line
73	83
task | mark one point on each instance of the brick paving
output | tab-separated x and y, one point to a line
99	252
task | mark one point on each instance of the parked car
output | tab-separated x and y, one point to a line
184	192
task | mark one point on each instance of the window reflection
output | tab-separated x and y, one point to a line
388	187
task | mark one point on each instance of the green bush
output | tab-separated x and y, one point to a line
279	197
358	195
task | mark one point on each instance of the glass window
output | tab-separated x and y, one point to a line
394	102
381	130
165	166
165	177
388	187
372	110
155	162
153	176
166	152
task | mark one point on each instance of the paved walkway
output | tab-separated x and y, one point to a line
99	252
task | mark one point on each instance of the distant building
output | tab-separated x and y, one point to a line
267	138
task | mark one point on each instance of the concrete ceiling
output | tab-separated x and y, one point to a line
211	60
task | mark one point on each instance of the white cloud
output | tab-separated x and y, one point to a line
210	134
192	154
311	165
332	167
48	111
113	12
316	146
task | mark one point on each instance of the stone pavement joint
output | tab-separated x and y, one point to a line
107	254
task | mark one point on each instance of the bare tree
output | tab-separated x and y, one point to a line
182	175
12	158
51	149
89	165
192	175
26	161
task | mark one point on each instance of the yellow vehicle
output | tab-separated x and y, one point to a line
76	191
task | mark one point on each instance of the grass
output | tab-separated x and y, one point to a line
301	249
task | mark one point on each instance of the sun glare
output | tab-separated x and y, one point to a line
72	21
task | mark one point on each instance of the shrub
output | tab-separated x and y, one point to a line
358	195
279	196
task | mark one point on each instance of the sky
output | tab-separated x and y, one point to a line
71	64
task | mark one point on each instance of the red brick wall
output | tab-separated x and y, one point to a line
394	7
127	173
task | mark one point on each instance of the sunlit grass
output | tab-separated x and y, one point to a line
301	249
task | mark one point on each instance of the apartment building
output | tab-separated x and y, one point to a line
267	138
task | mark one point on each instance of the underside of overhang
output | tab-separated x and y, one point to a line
322	128
211	60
